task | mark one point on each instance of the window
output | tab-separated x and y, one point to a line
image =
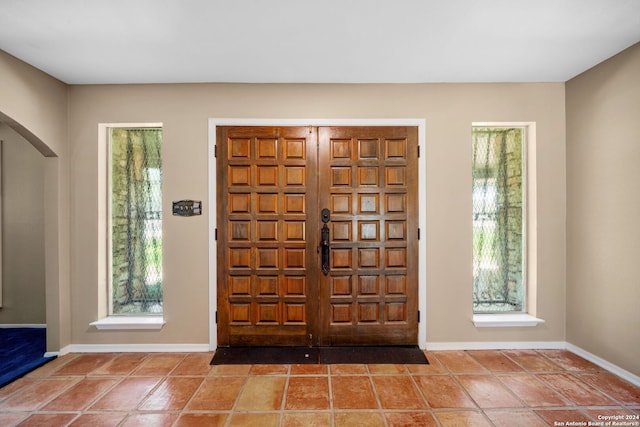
499	219
135	220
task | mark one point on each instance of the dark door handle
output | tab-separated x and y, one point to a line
324	241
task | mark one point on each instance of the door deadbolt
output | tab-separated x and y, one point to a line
326	215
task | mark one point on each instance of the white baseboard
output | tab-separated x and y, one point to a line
614	369
134	348
496	345
23	325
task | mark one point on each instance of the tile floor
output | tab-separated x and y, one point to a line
458	388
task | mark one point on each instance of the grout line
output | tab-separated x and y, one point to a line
380	409
285	392
235	403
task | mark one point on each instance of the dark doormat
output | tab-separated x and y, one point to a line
402	355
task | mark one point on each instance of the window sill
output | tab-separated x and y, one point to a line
505	320
129	322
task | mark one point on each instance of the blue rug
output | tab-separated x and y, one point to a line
21	351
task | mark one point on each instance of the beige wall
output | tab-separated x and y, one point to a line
603	210
449	110
23	274
35	105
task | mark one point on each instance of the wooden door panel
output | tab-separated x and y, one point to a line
264	293
368	180
274	182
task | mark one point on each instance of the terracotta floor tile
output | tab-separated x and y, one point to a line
307	393
306	419
150	420
398	392
387	369
510	418
15	386
158	364
269	370
532	391
11	419
309	369
513	387
50	367
532	361
171	395
557	416
37	394
254	420
229	370
194	364
84	364
488	392
358	419
126	395
441	391
576	390
353	393
121	364
410	419
433	367
348	369
264	393
569	361
47	420
459	362
614	386
462	419
495	361
81	395
201	420
217	394
98	420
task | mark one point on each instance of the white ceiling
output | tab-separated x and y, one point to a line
316	41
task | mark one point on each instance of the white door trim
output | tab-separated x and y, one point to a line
422	204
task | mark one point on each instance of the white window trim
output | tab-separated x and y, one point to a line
129	322
105	320
505	320
528	318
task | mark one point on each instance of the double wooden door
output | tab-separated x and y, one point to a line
283	281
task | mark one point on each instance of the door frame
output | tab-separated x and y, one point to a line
422	204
